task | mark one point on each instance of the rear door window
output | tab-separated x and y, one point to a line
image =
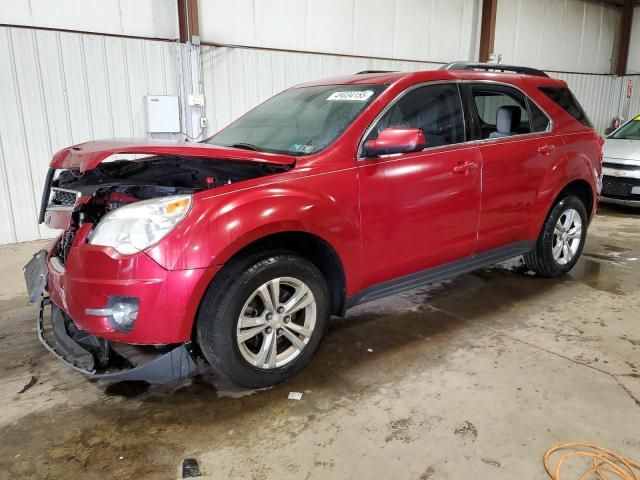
501	111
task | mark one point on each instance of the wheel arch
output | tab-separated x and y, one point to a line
308	245
581	189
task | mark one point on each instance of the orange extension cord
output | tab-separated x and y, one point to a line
604	462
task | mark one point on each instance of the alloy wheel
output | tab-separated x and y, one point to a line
567	235
276	323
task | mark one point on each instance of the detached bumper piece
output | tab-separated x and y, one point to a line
106	360
35	275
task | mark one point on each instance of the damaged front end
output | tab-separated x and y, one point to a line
112	312
106	360
73	197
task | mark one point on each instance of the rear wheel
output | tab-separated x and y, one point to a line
262	319
562	239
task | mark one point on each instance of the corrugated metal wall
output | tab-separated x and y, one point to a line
437	30
634	103
58	89
142	18
633	65
629	106
562	35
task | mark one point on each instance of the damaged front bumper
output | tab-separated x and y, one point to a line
105	360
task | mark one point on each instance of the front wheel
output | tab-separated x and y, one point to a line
562	239
263	319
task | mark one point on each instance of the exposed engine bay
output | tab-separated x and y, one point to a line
88	196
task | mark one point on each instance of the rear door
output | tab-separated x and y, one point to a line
420	209
517	149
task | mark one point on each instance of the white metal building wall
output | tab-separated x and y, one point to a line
58	89
629	107
633	64
634	108
434	30
560	35
141	18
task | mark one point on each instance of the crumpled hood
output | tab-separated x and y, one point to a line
88	155
621	149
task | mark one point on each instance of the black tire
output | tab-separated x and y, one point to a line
222	304
541	259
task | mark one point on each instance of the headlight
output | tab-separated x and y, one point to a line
132	228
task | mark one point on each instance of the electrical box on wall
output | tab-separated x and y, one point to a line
162	113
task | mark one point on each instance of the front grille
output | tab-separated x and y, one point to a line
618	187
620	166
62	198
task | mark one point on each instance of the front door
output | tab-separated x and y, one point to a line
420	209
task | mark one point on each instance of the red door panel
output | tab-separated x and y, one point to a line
418	210
513	170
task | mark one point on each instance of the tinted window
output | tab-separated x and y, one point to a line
565	99
299	121
434	109
502	111
629	131
539	121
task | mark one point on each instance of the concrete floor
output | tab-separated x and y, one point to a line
473	378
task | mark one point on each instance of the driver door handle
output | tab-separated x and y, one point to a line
546	149
465	167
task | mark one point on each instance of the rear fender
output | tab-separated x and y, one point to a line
579	162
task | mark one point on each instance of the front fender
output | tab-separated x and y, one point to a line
324	205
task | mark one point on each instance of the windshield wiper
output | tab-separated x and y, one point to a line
247	146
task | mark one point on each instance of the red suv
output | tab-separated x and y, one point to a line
333	193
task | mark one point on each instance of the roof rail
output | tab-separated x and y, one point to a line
494	67
363	72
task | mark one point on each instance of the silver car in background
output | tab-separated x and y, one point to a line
621	165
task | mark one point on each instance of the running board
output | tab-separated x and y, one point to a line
440	273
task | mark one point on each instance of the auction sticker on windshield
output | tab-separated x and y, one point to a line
351	95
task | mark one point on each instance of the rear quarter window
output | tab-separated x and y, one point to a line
563	97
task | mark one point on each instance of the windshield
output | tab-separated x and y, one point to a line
629	131
300	121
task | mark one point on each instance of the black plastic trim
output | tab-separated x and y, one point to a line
441	272
45	194
176	364
364	72
494	67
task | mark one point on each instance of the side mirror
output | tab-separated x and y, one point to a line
395	140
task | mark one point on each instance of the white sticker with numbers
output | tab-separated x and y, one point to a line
351	95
